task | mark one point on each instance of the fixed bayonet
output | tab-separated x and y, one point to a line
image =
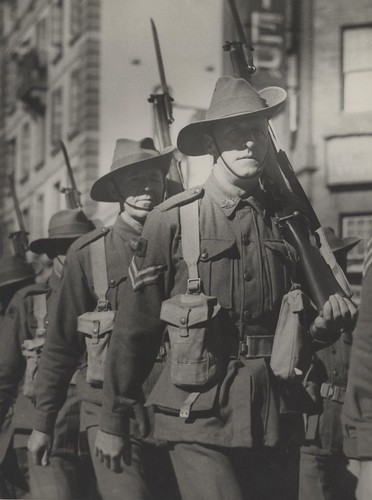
72	193
20	237
167	98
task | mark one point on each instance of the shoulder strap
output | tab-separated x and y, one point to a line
40	312
100	281
189	218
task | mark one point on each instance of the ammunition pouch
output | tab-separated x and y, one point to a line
97	327
195	339
31	350
292	349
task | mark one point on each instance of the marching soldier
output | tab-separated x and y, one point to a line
96	269
23	335
323	466
213	267
15	274
358	403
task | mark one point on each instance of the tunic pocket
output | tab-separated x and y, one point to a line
216	269
280	258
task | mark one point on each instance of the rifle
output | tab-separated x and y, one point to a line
19	238
163	115
72	193
324	276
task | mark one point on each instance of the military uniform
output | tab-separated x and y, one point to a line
357	409
323	472
65	347
19	325
245	263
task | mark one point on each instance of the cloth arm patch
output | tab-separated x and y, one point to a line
147	276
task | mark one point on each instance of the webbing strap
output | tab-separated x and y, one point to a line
40	312
99	271
189	218
187	404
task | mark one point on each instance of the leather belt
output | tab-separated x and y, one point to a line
333	392
253	346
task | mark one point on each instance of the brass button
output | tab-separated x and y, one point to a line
183	321
246	315
245	240
335	372
204	254
247	277
112	281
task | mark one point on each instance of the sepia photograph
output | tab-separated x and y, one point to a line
186	249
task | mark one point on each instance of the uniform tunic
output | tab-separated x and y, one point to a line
245	263
65	347
357	411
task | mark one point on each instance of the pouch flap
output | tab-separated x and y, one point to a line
189	309
295	300
33	344
282	247
96	323
212	248
169	398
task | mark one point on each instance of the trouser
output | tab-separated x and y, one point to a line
15	474
216	473
130	483
325	477
60	480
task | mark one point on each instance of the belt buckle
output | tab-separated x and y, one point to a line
326	390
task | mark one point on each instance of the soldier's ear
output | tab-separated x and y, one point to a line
210	145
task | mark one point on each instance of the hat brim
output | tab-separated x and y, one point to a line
190	139
102	191
47	245
348	244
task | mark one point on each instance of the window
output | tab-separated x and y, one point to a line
38	217
25	152
11	85
56	121
40	141
57	28
76	19
41	41
357	68
75	103
11	150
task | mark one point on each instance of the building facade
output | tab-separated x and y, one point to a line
83	70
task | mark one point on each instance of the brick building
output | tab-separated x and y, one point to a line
82	70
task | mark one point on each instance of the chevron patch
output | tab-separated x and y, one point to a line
147	276
368	257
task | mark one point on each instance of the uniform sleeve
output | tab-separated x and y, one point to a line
13	332
63	346
138	330
357	412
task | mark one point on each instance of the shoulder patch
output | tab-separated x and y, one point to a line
181	199
88	238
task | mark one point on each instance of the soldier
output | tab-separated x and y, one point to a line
23	335
323	466
216	401
96	269
15	274
358	403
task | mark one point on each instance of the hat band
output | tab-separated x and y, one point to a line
69	230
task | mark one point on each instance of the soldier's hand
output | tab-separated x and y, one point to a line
110	449
39	447
339	313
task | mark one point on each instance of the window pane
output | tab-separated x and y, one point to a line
357	49
358	91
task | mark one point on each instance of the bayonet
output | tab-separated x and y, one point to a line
20	237
72	193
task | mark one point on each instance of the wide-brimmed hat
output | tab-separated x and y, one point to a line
14	268
129	153
232	97
336	244
65	227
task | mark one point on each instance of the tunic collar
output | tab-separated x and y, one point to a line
126	232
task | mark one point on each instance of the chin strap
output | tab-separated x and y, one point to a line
260	168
